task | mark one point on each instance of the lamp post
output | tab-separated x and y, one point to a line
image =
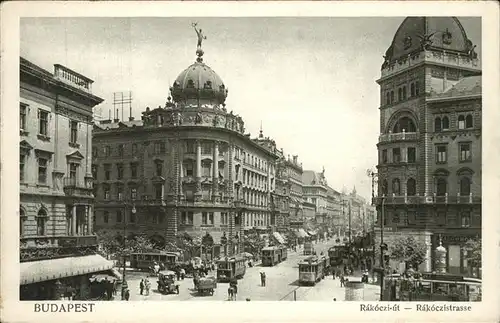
124	283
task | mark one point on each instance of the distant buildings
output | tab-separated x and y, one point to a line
429	169
56	219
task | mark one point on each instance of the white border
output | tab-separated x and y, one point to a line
12	310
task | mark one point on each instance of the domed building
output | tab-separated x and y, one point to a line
187	168
429	148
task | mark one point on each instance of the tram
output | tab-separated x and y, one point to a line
229	268
312	269
273	255
337	255
433	287
145	260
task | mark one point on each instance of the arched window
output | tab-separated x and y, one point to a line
22	219
412	90
461	122
388	98
41	220
404	92
446	123
437	124
411	187
417	89
404	124
392	97
468	121
400	94
396	189
441	187
464	186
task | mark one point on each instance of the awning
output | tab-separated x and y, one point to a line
278	237
43	270
301	233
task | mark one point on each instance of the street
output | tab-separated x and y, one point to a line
281	285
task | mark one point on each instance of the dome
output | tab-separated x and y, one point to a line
199	84
417	33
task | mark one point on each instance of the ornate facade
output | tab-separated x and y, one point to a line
185	167
55	215
429	169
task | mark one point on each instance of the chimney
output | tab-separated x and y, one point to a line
295	159
116	116
109	114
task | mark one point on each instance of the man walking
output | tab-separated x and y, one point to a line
141	286
263	279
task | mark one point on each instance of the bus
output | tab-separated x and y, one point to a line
146	260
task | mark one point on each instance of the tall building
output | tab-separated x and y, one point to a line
57	241
185	167
429	169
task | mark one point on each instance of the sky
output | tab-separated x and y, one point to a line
310	82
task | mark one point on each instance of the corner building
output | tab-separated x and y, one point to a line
187	167
429	170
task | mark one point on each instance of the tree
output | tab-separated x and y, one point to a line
474	248
409	250
254	243
139	244
109	246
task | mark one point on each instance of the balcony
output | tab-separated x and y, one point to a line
240	203
73	187
397	137
73	78
430	199
50	247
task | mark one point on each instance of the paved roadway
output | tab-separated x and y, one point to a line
281	284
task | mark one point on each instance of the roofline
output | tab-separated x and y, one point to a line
454	98
73	71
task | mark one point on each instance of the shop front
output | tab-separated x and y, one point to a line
456	254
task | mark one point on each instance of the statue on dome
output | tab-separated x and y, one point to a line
470	50
200	35
425	40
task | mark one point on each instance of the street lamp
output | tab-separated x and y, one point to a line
124	282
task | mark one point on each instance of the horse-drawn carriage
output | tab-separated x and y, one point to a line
167	283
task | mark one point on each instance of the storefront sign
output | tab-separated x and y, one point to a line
459	239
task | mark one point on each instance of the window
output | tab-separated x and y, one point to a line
94	151
41	220
441	154
207	218
412	90
107	172
206	168
74	132
411	187
396	189
417	88
107	151
119	216
22	161
134	149
159	168
465	186
119	192
400	94
133	193
461	122
392	97
466	220
441	187
159	191
468	121
404	124
446	123
187	218
412	155
43	122
404	92
22	219
106	217
396	155
384	187
206	148
190	147
133	170
119	169
437	124
22	116
107	192
94	171
42	170
132	217
73	170
384	156
465	154
121	149
189	169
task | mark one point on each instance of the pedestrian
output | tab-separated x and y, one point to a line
183	273
178	274
262	279
342	280
127	294
147	285
141	286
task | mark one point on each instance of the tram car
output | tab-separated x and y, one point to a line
229	268
308	248
337	255
146	260
273	255
312	269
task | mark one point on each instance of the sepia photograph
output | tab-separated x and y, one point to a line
232	159
182	200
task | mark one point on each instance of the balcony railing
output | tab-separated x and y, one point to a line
48	247
429	199
74	187
402	136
